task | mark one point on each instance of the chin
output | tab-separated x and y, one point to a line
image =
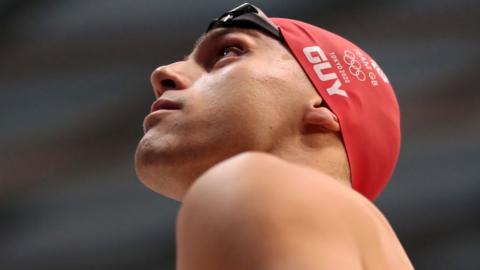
156	181
168	166
164	179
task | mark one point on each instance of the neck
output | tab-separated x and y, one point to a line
324	152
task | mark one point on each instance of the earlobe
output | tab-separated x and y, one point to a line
323	117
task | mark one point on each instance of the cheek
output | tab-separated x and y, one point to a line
226	105
249	96
231	89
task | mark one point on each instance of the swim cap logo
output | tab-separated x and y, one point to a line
354	65
321	63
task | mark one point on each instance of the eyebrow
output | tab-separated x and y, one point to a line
212	35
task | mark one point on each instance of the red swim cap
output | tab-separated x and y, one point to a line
359	93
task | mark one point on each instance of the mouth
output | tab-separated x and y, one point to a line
158	108
165	104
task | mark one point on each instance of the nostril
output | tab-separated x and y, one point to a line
168	84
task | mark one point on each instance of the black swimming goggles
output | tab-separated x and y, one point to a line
246	16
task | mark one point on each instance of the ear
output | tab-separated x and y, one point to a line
319	115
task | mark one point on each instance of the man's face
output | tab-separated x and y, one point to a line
239	90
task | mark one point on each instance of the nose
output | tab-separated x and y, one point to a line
170	77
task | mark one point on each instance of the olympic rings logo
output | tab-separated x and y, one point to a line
354	66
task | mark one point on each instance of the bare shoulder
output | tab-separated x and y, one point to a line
279	214
261	174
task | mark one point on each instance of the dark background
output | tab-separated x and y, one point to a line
74	89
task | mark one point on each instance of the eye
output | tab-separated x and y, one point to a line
226	54
231	51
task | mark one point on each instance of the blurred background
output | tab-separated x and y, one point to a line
74	90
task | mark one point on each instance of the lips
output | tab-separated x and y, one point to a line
165	104
158	108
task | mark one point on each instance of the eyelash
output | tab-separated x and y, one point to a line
225	51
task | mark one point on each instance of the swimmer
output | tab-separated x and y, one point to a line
276	136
